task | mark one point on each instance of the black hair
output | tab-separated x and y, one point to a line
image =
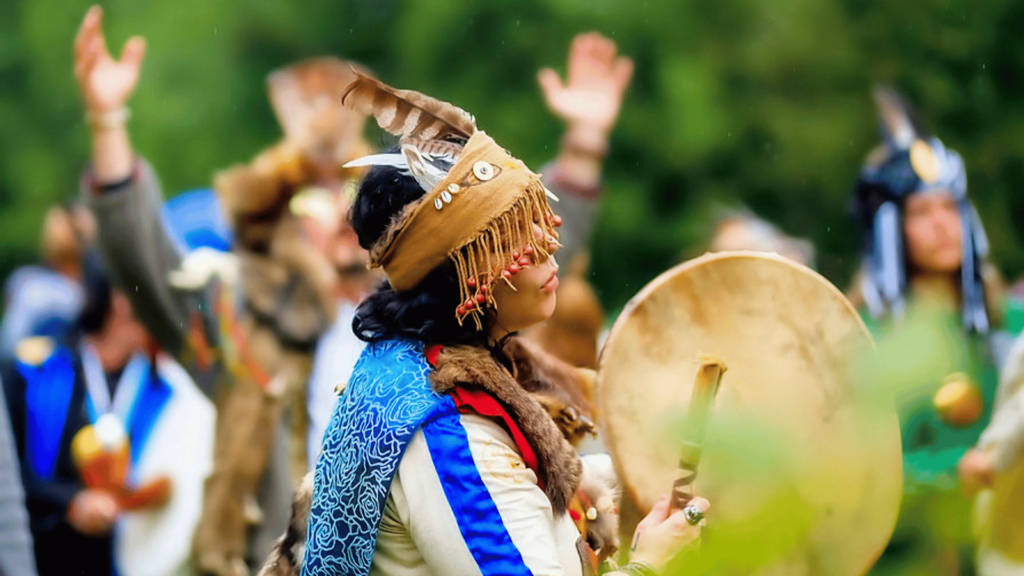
98	295
426	312
891	181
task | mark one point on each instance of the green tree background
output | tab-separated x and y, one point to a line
755	101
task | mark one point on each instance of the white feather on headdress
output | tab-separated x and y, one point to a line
420	165
393	160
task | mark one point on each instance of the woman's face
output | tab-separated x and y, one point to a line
533	299
932	229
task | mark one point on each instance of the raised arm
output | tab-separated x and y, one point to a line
106	85
122	191
588	103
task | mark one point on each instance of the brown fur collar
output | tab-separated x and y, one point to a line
566	392
474	367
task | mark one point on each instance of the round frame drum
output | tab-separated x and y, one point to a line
788	409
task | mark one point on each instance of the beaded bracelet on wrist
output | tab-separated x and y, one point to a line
587	146
108	120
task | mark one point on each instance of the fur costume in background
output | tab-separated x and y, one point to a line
540	389
271	319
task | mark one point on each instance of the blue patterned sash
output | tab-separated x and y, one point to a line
384	404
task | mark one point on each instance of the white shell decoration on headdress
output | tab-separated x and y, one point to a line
483	170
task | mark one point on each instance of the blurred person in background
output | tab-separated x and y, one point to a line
250	319
44	300
928	289
114	443
16	557
588	102
1016	290
743	230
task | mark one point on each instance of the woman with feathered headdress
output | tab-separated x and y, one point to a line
440	458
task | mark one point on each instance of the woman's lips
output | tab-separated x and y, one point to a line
552	284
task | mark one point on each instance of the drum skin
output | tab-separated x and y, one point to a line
790	340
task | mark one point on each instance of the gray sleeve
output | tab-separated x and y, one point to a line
578	210
139	253
16	557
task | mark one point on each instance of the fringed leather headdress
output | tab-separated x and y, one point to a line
480	202
911	161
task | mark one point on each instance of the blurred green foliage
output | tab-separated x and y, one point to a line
773	494
754	101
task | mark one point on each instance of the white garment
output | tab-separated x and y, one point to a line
1003	440
420	533
158	542
336	354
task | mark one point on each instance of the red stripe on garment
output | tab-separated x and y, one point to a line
483	404
432	352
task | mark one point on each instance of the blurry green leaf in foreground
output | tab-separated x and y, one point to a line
919	352
920	358
758	516
798	484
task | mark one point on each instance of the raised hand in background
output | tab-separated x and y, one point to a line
106	85
591	98
588	101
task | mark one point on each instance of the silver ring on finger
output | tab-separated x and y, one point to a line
693	515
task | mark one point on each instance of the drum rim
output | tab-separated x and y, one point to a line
666	277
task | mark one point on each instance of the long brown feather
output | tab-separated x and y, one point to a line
406	113
901	124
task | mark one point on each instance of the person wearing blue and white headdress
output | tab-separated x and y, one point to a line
928	291
912	198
